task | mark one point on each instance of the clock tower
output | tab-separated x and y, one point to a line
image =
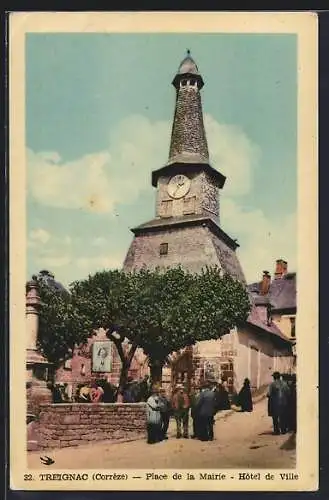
186	228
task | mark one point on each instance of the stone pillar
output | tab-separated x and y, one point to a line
32	314
37	366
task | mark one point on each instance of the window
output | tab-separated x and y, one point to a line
68	364
293	327
183	83
163	248
189	205
166	208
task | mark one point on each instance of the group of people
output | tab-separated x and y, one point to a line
102	391
202	405
282	403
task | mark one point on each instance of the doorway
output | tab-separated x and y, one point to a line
254	367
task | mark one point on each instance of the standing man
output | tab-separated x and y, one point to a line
165	411
145	388
206	408
194	413
225	400
128	395
181	404
277	403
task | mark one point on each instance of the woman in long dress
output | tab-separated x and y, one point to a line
153	407
244	397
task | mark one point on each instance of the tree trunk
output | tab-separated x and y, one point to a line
126	360
156	371
122	380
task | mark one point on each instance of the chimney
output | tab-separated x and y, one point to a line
281	269
265	283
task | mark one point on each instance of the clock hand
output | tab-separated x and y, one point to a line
180	184
177	188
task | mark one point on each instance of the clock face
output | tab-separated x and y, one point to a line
179	186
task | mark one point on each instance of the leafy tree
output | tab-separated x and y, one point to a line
180	309
159	311
60	327
109	300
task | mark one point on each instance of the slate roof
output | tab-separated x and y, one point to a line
255	320
282	292
49	279
188	66
184	220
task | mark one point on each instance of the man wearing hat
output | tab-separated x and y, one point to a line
277	403
180	404
206	409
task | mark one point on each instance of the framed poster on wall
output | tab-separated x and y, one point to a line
102	356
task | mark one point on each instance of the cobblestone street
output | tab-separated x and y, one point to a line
242	440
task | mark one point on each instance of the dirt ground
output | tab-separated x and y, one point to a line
242	440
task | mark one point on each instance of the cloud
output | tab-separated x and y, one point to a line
99	241
100	181
67	265
67	240
79	184
51	261
233	154
262	240
99	262
39	236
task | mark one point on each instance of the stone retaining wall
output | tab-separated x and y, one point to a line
62	425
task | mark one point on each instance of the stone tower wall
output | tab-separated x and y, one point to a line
188	133
192	247
203	190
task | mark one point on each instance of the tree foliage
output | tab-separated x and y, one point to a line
159	311
60	327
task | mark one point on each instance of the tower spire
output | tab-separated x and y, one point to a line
188	138
188	145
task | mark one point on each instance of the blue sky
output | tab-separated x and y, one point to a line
99	109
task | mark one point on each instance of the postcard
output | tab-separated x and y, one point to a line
163	251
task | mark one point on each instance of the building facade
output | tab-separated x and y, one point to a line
186	231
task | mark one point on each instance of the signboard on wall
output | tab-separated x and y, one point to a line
229	353
102	356
211	370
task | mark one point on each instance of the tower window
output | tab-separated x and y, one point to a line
166	208
183	83
163	248
293	327
189	205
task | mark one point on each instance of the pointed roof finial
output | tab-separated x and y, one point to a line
188	65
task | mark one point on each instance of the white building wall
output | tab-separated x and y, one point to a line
254	356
